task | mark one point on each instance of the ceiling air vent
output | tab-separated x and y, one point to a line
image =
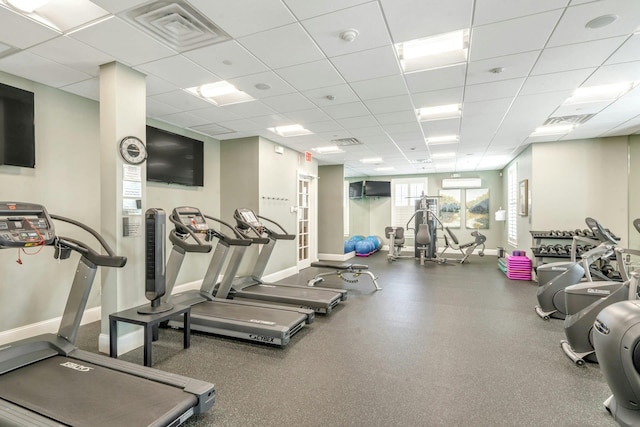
568	120
177	25
346	141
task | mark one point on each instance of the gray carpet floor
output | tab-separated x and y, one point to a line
440	345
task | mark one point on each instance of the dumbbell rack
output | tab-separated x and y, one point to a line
537	239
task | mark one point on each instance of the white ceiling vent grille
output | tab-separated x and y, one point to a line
346	141
177	25
568	120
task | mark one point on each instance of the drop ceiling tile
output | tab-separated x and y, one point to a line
512	36
381	87
311	75
629	51
626	72
41	70
438	97
117	6
390	105
73	54
556	81
576	56
578	109
365	18
358	122
441	127
227	60
21	32
571	28
288	102
156	85
215	114
157	109
399	117
294	46
413	19
87	88
272	120
489	11
179	71
367	131
242	125
307	116
402	127
241	17
118	42
495	108
277	86
182	119
340	111
493	90
441	78
304	9
180	99
514	66
368	64
249	109
328	126
341	94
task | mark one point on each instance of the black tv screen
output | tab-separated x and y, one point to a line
377	188
174	159
355	190
17	133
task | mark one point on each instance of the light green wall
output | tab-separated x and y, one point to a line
66	180
330	206
634	189
370	216
524	171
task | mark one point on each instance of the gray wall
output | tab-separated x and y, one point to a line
634	189
330	206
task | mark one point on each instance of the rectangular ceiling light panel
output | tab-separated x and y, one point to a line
438	51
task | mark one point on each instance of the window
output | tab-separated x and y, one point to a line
512	204
404	193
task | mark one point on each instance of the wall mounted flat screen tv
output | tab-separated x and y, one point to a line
174	159
17	133
355	190
377	188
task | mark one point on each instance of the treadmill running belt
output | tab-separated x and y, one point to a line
79	393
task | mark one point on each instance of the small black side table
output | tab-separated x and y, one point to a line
149	322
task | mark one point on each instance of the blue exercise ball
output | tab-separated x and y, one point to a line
356	238
374	242
349	246
363	247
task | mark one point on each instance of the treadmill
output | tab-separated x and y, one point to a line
252	321
47	381
321	300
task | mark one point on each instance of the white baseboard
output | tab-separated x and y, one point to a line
49	326
279	275
337	257
134	339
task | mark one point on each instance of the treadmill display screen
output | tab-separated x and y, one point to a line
249	217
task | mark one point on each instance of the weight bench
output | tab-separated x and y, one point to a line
466	249
340	269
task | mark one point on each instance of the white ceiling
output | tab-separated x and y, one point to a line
339	89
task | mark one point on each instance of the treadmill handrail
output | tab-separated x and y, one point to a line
181	242
239	241
278	236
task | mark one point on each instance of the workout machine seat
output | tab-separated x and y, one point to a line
466	249
396	241
340	269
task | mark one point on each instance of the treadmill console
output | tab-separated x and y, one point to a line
191	218
248	217
24	225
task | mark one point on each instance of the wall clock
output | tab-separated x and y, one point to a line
132	150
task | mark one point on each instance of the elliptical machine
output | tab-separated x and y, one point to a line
553	278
